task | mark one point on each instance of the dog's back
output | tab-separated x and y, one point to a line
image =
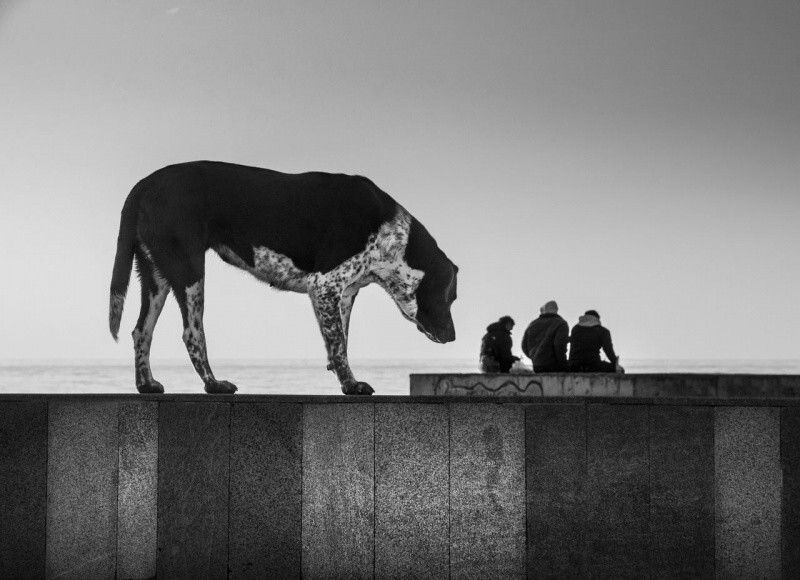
316	219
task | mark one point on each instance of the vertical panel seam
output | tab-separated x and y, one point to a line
780	496
228	527
119	463
302	481
155	486
714	482
585	483
449	491
649	495
158	480
525	410
374	493
47	481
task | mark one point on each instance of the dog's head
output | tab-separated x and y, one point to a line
436	291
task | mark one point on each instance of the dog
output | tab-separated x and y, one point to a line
327	235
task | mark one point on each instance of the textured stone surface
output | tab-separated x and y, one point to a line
758	386
617	491
265	488
82	490
23	489
682	492
556	478
675	385
790	497
411	491
338	490
748	492
487	491
193	449
138	486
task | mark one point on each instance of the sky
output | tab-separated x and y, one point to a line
640	158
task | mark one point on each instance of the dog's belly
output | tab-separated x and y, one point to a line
271	267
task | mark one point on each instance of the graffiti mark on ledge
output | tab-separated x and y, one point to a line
510	387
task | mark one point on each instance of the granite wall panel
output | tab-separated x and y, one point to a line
193	452
487	490
265	490
138	487
555	451
411	491
83	454
23	489
338	490
790	491
682	492
617	491
747	492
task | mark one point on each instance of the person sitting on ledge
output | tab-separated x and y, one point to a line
496	344
545	341
586	340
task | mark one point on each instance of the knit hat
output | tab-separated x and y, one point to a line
549	308
506	319
590	318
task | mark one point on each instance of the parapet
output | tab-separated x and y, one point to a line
210	486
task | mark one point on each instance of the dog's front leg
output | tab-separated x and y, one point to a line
327	302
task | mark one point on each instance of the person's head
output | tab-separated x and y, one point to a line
507	321
549	308
592	313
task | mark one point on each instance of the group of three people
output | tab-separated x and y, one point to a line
545	343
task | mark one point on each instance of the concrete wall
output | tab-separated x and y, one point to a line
390	487
604	385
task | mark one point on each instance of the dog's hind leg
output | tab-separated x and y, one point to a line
190	300
154	293
330	312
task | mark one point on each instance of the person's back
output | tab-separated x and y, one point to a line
587	339
545	340
496	347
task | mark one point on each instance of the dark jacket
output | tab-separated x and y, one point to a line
545	342
586	340
497	344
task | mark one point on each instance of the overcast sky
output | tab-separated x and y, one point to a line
641	158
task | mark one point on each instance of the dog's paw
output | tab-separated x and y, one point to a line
220	388
357	389
151	388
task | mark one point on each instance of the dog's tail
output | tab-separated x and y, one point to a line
123	263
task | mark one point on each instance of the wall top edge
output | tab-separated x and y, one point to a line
391	399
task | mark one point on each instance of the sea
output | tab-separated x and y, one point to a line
300	376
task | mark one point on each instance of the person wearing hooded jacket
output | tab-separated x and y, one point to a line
545	340
496	345
586	340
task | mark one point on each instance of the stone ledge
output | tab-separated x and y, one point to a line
531	385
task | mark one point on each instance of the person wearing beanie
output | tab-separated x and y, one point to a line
587	339
545	340
496	344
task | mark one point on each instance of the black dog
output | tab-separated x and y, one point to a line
318	233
